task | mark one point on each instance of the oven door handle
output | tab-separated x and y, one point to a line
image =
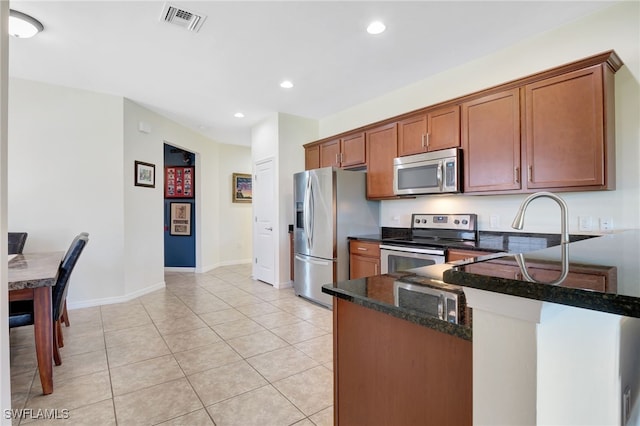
413	250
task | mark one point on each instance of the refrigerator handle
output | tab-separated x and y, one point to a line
305	212
312	214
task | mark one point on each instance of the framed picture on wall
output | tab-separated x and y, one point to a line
180	219
241	188
179	182
145	174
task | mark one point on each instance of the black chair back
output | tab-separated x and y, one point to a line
59	291
16	242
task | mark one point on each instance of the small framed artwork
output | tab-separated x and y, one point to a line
145	174
241	188
180	219
179	182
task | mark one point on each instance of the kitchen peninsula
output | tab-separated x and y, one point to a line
542	353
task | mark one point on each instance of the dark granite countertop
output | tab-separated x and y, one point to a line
493	241
377	293
603	274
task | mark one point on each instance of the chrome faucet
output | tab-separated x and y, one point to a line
518	222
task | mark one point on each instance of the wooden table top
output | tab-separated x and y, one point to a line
31	270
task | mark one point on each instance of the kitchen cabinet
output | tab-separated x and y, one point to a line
382	148
389	371
364	259
430	131
459	254
345	152
601	278
566	140
330	153
491	142
312	157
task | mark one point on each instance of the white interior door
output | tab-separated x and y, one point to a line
264	210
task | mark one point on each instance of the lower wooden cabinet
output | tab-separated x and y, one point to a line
458	254
587	277
364	259
389	371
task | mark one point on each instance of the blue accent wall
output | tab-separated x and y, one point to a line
179	250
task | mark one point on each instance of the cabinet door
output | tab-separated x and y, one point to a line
412	133
381	150
565	130
444	128
353	150
312	157
363	266
330	154
491	142
456	254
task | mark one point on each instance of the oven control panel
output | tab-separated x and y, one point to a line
462	222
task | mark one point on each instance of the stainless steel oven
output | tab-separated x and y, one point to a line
399	258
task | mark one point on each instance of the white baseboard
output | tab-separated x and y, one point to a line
287	284
179	269
117	299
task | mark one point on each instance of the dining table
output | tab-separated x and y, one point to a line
31	277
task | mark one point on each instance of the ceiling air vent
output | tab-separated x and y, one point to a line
182	17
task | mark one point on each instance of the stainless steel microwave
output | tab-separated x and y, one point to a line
446	305
434	172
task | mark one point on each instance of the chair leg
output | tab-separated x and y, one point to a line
65	315
56	352
60	335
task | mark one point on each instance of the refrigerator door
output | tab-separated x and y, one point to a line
314	200
311	274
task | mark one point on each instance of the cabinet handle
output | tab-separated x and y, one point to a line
427	140
341	157
423	142
337	159
516	174
363	249
375	269
530	173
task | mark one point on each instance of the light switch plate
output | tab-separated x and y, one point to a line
585	223
606	223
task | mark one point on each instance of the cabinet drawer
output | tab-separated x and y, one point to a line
364	248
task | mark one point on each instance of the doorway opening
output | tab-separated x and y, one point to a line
179	208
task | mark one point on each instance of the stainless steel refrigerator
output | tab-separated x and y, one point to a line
329	204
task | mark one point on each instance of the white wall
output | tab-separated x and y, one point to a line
616	28
280	137
66	176
235	226
71	169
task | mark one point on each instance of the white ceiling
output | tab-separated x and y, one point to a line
243	51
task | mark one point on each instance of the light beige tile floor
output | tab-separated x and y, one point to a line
210	349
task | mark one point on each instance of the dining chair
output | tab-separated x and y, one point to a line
16	242
64	316
21	313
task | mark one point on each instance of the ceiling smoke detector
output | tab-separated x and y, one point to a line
182	17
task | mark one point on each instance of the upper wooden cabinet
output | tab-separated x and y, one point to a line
430	131
348	151
330	154
553	130
381	149
353	150
566	144
312	157
491	142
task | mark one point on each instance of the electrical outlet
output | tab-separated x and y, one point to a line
585	223
494	221
606	223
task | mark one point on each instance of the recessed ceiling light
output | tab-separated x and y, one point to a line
376	27
22	25
238	115
286	84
